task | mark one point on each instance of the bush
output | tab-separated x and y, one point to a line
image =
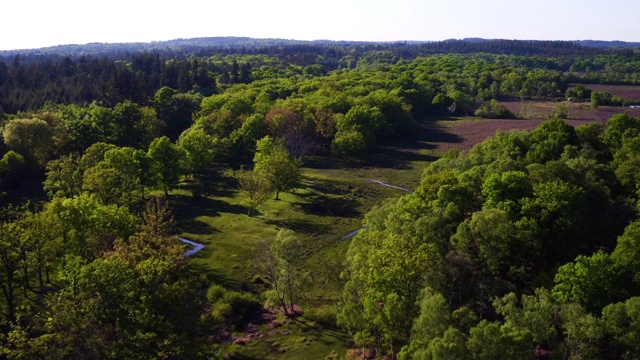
493	110
231	307
215	293
348	143
579	92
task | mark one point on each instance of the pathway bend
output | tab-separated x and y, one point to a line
390	186
196	246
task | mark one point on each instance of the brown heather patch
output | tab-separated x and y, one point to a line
629	92
465	133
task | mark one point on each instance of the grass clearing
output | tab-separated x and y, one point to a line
331	202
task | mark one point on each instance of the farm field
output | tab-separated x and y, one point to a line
468	132
629	92
576	111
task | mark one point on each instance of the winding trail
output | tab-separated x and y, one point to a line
354	232
196	246
391	186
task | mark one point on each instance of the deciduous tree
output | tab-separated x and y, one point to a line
167	159
273	162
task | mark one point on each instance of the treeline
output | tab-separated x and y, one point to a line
29	80
525	247
344	112
243	45
88	79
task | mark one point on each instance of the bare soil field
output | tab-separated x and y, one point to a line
466	132
629	92
470	132
542	110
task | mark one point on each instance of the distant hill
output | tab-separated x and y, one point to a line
206	46
586	43
176	45
612	44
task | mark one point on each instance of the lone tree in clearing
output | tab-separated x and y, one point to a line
274	163
257	188
280	261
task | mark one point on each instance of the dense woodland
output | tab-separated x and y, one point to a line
526	246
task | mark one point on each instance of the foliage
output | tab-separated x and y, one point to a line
594	282
257	189
498	219
493	110
273	162
278	261
167	162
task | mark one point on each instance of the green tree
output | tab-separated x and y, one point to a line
583	332
627	249
10	265
256	188
12	168
432	323
348	143
491	238
134	166
490	340
108	184
31	138
620	127
135	126
43	237
90	227
167	159
273	162
200	150
252	130
594	282
64	177
365	119
280	263
155	239
538	314
621	322
94	154
175	110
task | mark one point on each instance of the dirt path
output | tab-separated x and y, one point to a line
353	233
391	186
196	246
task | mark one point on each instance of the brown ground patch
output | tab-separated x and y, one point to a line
471	132
542	110
629	92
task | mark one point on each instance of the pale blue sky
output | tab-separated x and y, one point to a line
38	23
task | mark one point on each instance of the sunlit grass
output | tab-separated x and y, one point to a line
330	202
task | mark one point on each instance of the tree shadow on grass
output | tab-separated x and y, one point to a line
395	153
325	186
322	205
212	183
321	328
197	270
299	226
187	209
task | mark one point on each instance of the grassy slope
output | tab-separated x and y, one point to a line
331	202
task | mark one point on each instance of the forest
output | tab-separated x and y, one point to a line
338	208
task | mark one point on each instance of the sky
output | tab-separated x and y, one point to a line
38	23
